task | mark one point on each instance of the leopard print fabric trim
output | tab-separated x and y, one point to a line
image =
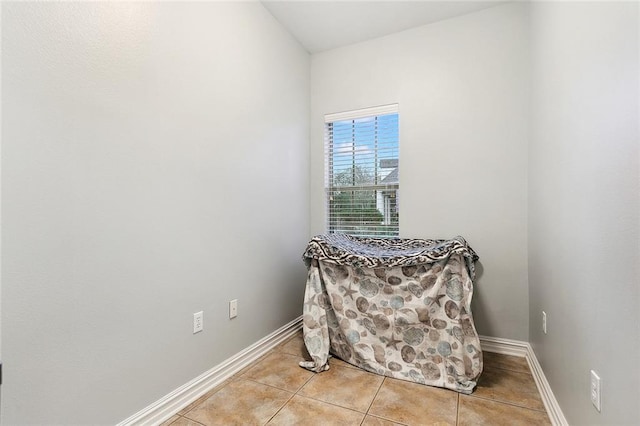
349	250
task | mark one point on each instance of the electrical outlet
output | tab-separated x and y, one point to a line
596	390
544	322
233	308
198	322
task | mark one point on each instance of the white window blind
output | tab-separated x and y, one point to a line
362	171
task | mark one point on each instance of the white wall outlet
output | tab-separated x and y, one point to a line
233	308
596	390
544	322
198	322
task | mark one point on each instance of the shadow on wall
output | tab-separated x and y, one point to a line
478	305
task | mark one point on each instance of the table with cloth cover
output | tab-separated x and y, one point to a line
395	307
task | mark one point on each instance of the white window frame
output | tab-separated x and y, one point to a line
386	194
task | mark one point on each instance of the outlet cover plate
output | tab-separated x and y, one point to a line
198	322
233	308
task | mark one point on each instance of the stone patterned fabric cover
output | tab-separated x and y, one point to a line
395	307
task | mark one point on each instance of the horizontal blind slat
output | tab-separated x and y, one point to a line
361	172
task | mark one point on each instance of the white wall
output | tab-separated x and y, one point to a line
155	163
584	252
462	89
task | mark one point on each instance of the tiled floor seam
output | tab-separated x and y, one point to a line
494	367
332	404
509	403
276	387
280	409
378	416
167	423
204	397
395	421
190	419
384	418
289	353
373	400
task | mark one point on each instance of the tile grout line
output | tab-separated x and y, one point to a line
207	395
366	413
187	418
290	398
169	424
280	409
377	416
277	351
493	367
510	369
248	379
499	367
333	404
327	402
395	422
543	410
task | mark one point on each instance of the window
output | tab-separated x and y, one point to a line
361	171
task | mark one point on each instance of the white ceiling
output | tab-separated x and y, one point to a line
322	25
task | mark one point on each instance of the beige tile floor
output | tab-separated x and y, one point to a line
276	391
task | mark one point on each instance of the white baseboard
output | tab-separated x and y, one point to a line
549	399
173	402
524	349
504	346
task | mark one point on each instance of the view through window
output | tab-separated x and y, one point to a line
362	171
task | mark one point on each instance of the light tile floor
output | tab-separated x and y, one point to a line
276	391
